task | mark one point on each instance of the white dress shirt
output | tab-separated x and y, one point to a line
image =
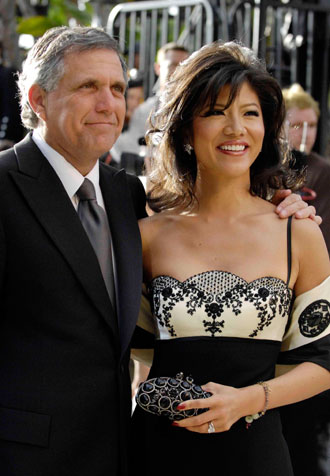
70	177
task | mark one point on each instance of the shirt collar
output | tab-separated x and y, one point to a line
70	177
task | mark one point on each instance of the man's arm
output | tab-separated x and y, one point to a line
289	203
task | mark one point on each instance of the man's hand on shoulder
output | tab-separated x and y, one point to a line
289	203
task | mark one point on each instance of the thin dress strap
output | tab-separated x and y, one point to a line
289	252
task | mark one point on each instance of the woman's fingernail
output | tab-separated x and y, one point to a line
175	423
181	406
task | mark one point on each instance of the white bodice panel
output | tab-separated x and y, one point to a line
219	303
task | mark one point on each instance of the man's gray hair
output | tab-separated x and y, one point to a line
44	64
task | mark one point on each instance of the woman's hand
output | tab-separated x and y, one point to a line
225	407
289	203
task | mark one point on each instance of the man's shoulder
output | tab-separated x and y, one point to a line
318	161
20	156
138	195
134	184
110	172
318	170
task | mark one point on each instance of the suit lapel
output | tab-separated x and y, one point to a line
127	249
48	200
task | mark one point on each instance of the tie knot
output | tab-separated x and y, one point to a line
86	191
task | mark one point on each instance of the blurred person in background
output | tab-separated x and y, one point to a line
168	58
302	115
306	425
134	97
11	128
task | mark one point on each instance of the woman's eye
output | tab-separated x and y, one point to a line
214	112
252	113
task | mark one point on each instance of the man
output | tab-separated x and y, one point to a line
70	291
169	56
64	337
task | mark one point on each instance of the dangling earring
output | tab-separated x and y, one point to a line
188	148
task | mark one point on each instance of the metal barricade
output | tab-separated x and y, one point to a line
143	27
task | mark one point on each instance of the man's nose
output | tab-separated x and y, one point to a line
105	100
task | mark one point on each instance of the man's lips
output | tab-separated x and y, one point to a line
100	124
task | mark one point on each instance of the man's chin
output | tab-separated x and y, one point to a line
104	144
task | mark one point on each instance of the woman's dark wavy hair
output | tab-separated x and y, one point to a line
196	83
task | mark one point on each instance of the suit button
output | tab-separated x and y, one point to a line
122	368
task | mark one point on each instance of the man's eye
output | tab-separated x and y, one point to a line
119	89
87	85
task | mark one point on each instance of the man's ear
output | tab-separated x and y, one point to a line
157	68
37	98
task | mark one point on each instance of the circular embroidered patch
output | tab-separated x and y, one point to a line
315	318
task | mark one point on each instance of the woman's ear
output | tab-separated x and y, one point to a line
188	142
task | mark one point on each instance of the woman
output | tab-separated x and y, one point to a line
221	271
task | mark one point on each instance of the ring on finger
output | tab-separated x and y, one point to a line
211	428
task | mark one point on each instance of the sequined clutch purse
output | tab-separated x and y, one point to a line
162	395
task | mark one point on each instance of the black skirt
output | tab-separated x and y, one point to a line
160	449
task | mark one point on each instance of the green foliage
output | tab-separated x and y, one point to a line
35	26
60	12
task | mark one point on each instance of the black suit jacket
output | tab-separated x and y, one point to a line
64	383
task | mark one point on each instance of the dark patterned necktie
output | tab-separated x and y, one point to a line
94	220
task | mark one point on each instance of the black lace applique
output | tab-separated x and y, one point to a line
170	297
315	318
213	291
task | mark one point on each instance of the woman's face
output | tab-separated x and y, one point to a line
228	141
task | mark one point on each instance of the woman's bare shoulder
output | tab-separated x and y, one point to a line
157	222
305	232
310	250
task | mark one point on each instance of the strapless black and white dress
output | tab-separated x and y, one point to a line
215	326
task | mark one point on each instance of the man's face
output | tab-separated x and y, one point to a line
84	115
302	127
168	64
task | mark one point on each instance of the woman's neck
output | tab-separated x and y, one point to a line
223	196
